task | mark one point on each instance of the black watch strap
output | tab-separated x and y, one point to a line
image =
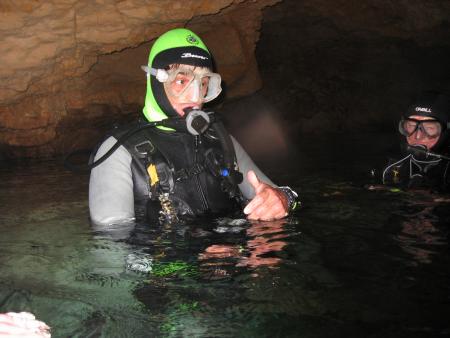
292	197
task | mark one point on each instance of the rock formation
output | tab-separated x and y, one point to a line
69	68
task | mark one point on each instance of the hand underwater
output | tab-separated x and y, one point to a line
268	204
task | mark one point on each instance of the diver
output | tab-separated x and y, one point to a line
188	165
425	127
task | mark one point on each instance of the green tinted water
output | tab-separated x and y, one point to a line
352	262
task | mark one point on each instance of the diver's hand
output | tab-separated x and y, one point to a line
268	204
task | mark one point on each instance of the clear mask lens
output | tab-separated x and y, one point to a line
430	128
191	86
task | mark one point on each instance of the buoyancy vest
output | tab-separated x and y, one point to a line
187	167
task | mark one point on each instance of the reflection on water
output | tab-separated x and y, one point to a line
352	263
420	235
264	240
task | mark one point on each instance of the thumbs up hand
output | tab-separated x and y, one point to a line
268	204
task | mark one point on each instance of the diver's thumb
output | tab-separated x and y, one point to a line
254	181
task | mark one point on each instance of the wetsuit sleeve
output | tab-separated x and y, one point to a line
111	198
245	164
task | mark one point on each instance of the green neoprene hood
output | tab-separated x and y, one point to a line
177	40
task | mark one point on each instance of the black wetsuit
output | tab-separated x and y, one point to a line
426	173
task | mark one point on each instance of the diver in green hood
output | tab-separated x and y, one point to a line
177	53
180	172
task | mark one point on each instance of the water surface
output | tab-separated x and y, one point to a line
350	263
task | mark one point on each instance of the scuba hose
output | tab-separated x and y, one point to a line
232	176
92	164
424	151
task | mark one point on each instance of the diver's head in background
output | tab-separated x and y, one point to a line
426	122
179	75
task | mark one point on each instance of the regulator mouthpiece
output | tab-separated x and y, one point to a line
418	148
197	121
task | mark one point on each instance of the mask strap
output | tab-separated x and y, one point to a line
160	74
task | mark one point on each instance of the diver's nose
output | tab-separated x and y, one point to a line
419	134
194	92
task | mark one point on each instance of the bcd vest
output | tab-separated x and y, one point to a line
187	167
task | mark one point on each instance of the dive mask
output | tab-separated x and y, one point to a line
431	128
186	84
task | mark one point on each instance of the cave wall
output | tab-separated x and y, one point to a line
352	65
68	69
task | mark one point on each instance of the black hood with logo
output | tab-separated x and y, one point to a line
437	106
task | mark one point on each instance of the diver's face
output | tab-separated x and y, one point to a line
419	137
184	89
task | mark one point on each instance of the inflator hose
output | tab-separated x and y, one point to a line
226	144
92	164
233	176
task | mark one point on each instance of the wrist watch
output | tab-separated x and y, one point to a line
292	197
